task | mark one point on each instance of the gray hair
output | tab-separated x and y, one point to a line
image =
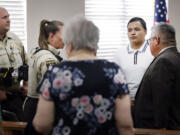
166	32
81	33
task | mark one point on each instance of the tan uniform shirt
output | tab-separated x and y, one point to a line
38	65
11	54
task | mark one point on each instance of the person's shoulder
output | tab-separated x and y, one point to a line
121	50
112	67
122	47
43	52
42	55
12	35
120	53
15	39
108	63
169	55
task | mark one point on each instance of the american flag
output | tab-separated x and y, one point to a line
160	11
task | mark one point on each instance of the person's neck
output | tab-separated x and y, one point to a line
82	55
2	36
162	48
137	45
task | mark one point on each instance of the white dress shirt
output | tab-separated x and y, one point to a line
134	64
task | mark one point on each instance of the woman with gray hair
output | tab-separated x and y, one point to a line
83	95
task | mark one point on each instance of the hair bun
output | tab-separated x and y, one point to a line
46	24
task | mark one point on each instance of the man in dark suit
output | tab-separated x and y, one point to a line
157	102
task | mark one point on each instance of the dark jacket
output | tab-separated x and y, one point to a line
157	102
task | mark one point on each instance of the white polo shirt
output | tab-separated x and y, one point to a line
134	64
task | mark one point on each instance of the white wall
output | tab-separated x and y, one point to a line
51	10
174	11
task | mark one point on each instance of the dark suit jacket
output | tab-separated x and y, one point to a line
157	102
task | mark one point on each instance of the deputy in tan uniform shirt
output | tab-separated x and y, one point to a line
11	55
41	59
39	63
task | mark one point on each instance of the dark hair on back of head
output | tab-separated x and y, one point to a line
47	27
135	19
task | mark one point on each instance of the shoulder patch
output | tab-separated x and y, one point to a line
50	63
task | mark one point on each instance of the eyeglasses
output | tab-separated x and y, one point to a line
150	39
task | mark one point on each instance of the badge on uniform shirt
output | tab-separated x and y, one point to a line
15	73
50	63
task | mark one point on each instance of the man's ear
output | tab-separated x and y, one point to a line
145	32
157	40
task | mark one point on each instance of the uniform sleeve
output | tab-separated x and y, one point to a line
162	80
44	64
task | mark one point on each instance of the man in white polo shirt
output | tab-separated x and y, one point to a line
136	56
